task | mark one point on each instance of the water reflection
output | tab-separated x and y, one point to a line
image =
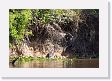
80	63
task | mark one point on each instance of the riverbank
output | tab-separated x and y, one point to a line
30	58
41	62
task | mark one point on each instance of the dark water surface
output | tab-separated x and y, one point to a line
79	63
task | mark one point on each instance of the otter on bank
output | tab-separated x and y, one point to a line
50	55
13	62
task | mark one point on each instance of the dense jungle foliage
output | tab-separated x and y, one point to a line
64	32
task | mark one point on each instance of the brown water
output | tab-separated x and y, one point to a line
80	63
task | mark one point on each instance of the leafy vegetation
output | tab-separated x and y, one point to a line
23	59
19	20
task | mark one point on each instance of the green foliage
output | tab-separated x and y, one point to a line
44	16
24	59
19	20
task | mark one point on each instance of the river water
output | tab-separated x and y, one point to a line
79	63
